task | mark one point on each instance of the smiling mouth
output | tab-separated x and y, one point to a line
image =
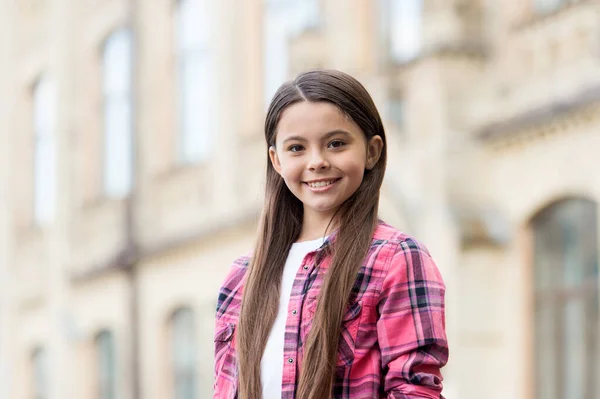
321	184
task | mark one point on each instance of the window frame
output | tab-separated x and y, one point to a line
185	370
39	368
397	53
45	177
117	114
547	6
106	382
554	294
278	32
195	92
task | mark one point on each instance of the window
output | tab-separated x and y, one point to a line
405	27
284	19
183	352
118	140
195	76
566	300
105	352
396	110
544	6
44	124
40	373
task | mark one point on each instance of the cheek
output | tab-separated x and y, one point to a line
290	171
355	169
358	176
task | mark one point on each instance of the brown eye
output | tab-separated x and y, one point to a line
336	144
295	148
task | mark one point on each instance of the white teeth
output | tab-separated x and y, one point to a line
320	184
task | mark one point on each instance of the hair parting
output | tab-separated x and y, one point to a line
280	226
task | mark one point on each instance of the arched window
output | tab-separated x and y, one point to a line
44	125
105	355
195	76
118	119
283	19
39	363
183	354
566	300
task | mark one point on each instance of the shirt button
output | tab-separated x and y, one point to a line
305	267
294	311
290	360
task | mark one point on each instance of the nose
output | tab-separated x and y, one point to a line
317	161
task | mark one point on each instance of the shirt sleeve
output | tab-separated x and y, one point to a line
411	325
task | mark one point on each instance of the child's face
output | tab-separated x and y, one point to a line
322	155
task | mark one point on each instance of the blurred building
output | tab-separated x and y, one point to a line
131	163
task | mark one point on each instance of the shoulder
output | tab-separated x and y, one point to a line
389	235
241	263
230	293
237	271
405	255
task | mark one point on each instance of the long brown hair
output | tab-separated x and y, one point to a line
280	226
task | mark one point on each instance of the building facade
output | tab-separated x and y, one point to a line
132	159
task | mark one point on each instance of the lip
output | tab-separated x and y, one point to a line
322	189
322	179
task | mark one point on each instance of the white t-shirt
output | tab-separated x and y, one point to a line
271	366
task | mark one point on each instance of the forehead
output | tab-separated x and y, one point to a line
313	119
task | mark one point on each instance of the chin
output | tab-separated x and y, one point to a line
324	209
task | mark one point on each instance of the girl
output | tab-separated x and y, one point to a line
333	303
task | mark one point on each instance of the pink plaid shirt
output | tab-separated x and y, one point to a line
393	341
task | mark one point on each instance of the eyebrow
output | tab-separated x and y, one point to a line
325	136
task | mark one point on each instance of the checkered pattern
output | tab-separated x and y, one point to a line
393	340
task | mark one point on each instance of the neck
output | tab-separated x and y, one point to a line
314	225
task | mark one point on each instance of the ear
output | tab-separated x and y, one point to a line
274	159
374	148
